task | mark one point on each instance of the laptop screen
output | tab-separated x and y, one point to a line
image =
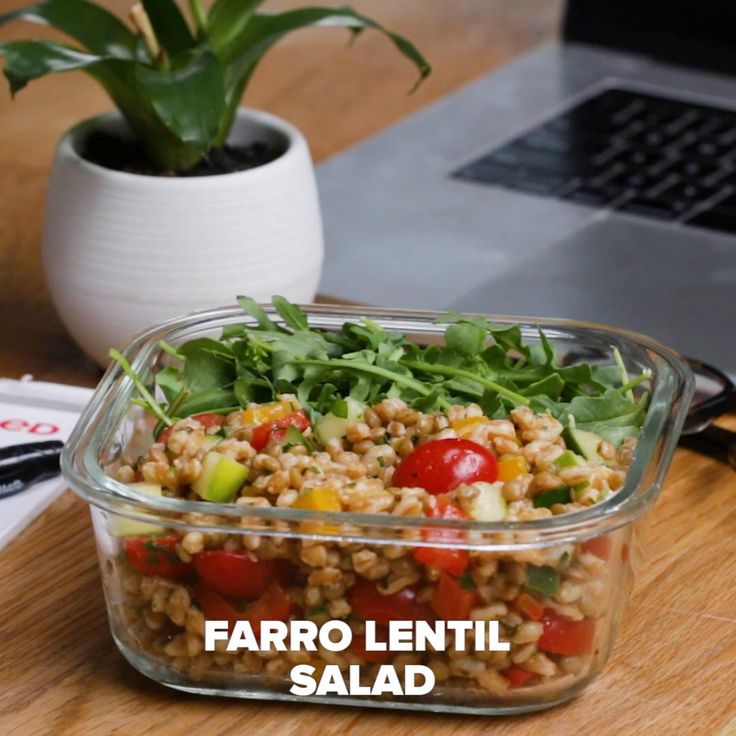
698	33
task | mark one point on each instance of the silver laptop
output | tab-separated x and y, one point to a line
594	179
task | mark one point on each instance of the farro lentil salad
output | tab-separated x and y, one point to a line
483	427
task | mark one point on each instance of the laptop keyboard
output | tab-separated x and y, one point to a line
622	150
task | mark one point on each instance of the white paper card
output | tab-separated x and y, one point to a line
34	411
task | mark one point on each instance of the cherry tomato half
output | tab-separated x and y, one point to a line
453	601
272	605
156	556
208	421
517	676
440	466
445	559
264	433
238	574
598	546
358	647
562	636
368	603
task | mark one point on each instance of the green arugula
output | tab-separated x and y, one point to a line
479	362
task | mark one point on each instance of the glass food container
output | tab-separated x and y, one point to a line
157	623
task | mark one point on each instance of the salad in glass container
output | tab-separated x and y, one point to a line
286	470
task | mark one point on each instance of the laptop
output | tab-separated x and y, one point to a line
592	179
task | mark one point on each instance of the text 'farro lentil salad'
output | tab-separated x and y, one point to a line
482	427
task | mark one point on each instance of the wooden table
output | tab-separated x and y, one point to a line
672	668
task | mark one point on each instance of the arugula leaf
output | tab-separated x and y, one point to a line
208	364
211	400
465	338
250	306
479	362
170	382
550	386
290	313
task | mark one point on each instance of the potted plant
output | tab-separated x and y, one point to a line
181	198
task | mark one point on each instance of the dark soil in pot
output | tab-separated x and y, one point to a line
124	154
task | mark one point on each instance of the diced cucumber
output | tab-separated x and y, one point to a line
585	444
489	504
294	437
334	424
544	579
547	499
329	428
568	459
349	408
221	478
122	527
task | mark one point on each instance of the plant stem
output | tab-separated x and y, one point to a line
448	370
375	370
142	22
171	350
633	383
199	16
619	361
147	396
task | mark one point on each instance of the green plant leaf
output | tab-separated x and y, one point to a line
209	400
251	307
170	382
208	364
29	60
465	338
98	30
290	313
169	25
264	30
227	19
188	100
162	144
243	53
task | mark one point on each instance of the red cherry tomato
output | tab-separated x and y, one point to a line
207	420
238	574
453	601
264	433
358	647
561	636
440	466
517	676
156	556
445	559
216	607
369	604
273	605
598	546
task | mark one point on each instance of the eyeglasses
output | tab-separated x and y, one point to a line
715	395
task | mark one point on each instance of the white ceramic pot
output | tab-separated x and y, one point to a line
124	251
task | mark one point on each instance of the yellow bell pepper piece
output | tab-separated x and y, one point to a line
319	499
268	412
465	427
511	466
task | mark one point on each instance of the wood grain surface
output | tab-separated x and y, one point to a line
672	669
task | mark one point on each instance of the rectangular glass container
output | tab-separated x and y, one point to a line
157	623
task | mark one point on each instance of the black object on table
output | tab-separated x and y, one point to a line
23	465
